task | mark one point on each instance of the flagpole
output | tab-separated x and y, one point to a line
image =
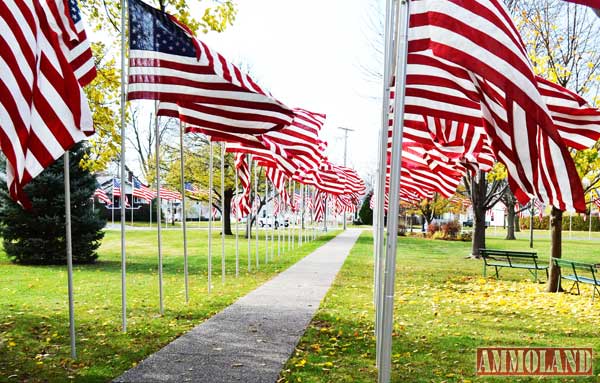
532	202
295	214
249	215
183	214
222	213
267	220
69	248
590	225
237	231
379	222
210	196
301	239
123	135
158	212
256	217
132	189
112	208
290	214
396	162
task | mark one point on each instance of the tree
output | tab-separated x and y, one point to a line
512	213
104	92
561	40
103	96
366	213
143	138
484	190
37	236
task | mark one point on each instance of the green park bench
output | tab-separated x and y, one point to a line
579	272
513	259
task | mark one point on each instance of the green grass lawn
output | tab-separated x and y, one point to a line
34	340
444	310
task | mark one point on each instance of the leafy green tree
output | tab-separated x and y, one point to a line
366	213
37	236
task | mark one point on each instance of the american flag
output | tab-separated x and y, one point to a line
142	191
540	207
299	142
278	179
479	37
79	52
170	195
43	110
116	188
102	196
276	206
243	171
196	84
319	206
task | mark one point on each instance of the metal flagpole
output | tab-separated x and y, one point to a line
237	231
158	212
222	212
295	214
590	226
378	238
385	361
249	215
123	100
279	231
150	209
132	190
112	207
210	196
256	217
290	211
183	213
301	237
325	214
532	202
267	220
69	248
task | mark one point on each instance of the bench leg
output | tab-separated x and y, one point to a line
484	270
548	277
535	276
497	276
594	293
578	291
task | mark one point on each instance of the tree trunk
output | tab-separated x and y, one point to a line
227	212
510	223
555	248
517	223
478	192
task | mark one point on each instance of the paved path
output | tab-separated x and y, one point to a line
251	340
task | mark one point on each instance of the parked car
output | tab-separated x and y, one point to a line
469	223
270	221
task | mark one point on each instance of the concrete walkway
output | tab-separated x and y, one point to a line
251	340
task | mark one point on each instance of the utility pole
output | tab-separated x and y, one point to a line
346	130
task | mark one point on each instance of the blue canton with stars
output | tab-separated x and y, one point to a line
74	11
152	30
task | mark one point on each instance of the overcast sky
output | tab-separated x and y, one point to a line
311	54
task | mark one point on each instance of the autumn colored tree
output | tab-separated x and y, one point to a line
562	42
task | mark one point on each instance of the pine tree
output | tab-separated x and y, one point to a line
37	236
366	213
